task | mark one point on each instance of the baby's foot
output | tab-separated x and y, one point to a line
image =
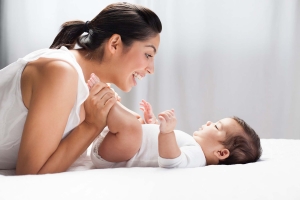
92	81
95	79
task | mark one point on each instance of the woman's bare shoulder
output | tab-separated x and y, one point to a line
47	66
54	76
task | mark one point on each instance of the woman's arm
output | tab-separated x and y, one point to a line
54	90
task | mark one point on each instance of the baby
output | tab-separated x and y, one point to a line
130	141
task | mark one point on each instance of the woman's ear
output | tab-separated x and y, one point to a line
222	154
114	43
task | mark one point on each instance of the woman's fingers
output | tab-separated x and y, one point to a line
103	95
116	94
98	104
108	103
101	91
107	96
97	88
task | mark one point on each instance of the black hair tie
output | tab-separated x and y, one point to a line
86	27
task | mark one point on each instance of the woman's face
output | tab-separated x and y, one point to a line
136	62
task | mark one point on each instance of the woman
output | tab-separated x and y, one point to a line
45	104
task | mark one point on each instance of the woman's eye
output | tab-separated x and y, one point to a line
148	55
216	127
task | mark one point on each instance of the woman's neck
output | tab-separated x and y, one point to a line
89	66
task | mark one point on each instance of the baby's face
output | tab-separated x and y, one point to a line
214	133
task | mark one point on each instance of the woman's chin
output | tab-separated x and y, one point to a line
125	88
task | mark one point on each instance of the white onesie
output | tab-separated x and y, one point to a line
147	156
13	113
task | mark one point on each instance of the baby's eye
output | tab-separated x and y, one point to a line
216	127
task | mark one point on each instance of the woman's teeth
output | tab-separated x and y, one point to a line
138	76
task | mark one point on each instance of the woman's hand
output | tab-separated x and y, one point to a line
167	121
148	113
99	102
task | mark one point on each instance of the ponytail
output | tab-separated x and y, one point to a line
68	35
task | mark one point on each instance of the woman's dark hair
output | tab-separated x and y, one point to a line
243	147
131	22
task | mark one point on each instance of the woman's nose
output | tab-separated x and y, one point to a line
208	123
150	68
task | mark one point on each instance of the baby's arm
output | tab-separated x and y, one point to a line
167	144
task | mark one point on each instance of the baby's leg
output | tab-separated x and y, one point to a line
124	138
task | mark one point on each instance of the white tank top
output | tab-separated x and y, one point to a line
13	113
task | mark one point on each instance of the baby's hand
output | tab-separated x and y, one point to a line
148	114
167	121
95	79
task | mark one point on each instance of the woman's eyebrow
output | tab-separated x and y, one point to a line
152	47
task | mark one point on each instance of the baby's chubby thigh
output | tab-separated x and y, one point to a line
124	138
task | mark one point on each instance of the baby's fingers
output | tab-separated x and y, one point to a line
142	109
144	106
142	103
168	114
162	119
171	113
145	103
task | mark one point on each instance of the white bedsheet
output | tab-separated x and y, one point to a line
276	177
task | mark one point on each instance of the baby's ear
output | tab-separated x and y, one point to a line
222	154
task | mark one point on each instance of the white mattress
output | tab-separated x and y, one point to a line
275	176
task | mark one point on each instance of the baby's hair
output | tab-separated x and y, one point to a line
244	147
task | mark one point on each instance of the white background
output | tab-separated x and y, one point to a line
216	58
